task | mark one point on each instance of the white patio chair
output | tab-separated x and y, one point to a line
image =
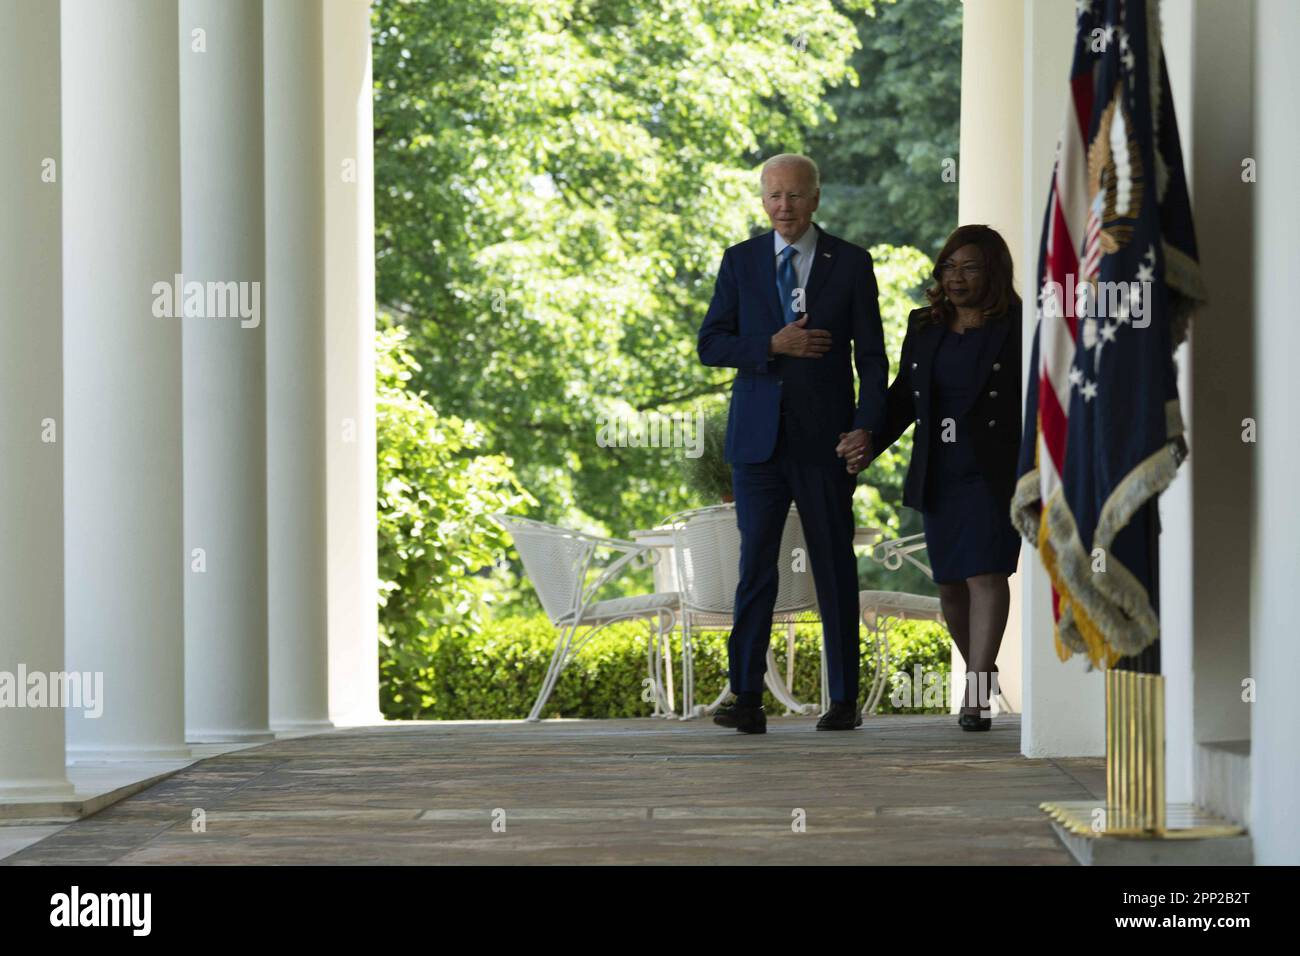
559	562
880	607
706	549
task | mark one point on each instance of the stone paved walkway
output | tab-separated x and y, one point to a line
900	790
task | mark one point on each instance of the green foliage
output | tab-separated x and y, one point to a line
436	541
901	273
709	476
882	161
916	644
495	673
556	181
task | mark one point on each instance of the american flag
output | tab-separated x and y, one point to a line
1117	280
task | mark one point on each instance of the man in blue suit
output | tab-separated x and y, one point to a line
793	310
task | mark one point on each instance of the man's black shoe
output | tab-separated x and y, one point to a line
974	722
746	719
841	716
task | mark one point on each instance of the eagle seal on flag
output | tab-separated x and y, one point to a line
1118	279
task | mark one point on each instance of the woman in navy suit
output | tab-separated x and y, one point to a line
959	383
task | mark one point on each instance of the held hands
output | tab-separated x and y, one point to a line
855	449
799	342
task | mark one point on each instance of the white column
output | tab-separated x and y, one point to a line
295	365
1222	372
1064	705
122	384
1206	587
1274	648
350	365
1177	602
990	192
224	370
31	397
992	116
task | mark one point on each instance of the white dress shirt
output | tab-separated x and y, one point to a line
805	248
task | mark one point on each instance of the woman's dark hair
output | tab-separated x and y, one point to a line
999	287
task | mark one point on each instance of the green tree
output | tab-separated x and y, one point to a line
883	160
437	543
902	274
557	180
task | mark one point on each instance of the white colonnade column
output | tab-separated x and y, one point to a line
1064	704
31	400
223	347
1275	564
295	365
1205	546
1015	67
122	373
989	173
350	365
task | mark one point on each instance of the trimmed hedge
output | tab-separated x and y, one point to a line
495	672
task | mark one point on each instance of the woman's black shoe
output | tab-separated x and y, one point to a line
974	722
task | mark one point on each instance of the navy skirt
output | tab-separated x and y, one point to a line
968	528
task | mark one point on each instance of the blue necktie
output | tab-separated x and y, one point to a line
785	283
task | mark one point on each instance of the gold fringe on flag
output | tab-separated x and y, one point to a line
1106	613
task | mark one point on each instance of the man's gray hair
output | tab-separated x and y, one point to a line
791	159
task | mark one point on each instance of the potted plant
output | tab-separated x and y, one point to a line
709	475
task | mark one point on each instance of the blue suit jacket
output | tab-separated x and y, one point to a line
815	394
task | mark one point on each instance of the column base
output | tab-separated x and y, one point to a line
359	719
279	727
228	736
36	791
77	755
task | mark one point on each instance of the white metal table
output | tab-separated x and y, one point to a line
660	539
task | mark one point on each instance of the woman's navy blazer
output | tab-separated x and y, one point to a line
994	418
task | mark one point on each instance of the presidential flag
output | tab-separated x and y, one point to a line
1117	280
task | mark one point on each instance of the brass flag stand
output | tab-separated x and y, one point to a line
1135	805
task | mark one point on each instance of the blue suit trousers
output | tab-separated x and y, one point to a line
823	495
